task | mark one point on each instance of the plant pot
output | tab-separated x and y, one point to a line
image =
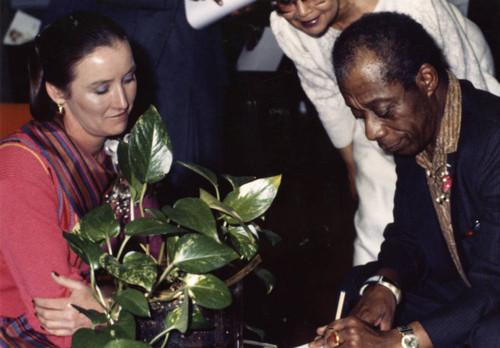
227	325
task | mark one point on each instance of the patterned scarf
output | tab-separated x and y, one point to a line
438	178
83	179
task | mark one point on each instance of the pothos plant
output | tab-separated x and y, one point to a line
198	236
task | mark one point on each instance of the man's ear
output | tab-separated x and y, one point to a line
57	95
427	79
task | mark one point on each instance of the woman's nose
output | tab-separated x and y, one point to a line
303	8
120	99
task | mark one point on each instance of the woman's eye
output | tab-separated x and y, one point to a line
102	90
129	78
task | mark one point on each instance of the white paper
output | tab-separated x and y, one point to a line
201	13
266	56
22	29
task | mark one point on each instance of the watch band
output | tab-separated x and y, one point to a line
405	330
408	340
384	281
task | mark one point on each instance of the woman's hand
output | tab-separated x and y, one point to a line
57	315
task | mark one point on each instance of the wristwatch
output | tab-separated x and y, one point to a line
409	340
384	281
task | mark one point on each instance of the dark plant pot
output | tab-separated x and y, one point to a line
226	333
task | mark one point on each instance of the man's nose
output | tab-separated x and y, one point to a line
374	128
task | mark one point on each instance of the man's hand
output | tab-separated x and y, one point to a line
376	307
57	315
352	332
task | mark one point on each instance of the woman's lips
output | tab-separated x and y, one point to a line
122	115
308	24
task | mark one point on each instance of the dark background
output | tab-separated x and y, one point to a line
265	134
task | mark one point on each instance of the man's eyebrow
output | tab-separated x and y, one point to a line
375	102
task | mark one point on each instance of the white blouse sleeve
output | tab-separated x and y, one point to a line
461	40
318	82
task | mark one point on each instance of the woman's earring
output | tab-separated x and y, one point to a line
60	109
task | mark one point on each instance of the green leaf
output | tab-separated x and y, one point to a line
137	269
251	200
195	214
237	181
197	253
135	186
150	226
267	277
133	301
170	247
82	337
123	160
94	316
157	213
208	291
204	172
87	250
150	148
119	335
261	333
198	321
124	327
214	203
242	241
99	223
126	343
273	237
179	318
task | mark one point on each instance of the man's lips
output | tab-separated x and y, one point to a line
310	23
391	148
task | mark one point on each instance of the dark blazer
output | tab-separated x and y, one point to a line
414	245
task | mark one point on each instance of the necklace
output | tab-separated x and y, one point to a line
442	179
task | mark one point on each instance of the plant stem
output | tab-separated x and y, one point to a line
162	250
161	334
132	210
125	240
98	297
217	194
163	276
108	243
244	271
165	340
143	193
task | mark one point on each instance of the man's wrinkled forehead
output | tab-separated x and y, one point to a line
365	62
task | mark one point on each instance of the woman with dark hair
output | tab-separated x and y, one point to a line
54	170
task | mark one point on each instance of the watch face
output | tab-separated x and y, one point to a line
409	341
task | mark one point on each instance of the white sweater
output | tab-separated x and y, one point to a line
469	58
